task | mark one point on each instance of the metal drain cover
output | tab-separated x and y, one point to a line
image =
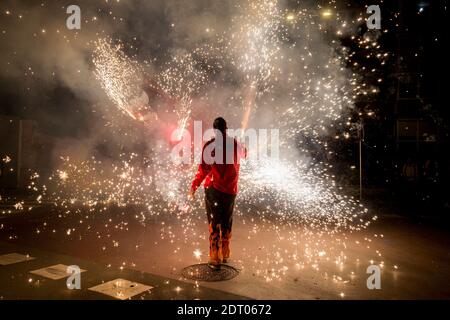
201	272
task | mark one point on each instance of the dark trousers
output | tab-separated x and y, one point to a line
219	209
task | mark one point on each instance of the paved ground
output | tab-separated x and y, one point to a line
414	256
17	282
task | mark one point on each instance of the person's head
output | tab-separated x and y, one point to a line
220	124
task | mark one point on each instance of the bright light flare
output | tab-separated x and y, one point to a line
326	13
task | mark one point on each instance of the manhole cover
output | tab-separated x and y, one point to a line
201	272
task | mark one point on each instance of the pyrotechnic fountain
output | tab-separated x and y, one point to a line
121	78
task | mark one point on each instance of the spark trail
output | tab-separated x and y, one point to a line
121	78
182	80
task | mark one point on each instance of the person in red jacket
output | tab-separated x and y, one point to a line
219	168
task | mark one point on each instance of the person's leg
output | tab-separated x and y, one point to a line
212	211
226	225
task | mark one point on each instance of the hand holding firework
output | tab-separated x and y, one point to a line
191	194
185	207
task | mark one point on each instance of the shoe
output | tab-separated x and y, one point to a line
213	266
225	261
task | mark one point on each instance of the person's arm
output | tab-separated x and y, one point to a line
202	171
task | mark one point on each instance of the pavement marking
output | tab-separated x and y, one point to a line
121	289
56	272
12	258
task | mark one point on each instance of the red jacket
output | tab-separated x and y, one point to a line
221	175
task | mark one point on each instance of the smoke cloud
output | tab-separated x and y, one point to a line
301	85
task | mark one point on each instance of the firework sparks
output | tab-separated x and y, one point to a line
197	254
182	79
121	78
305	88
